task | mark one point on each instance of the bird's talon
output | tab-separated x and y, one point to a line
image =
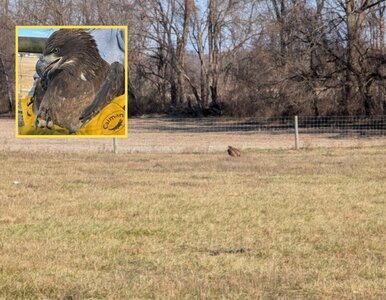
49	123
40	123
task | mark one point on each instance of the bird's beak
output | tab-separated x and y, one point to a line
41	65
47	63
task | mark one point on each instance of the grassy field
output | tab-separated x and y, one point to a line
287	224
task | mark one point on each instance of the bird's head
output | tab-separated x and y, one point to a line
66	49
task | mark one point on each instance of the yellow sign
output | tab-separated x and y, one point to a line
109	122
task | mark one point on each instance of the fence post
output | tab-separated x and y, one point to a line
18	110
115	145
296	133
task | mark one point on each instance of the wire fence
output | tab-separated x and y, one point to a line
214	134
350	126
180	135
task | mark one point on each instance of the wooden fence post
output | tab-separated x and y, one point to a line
296	133
115	145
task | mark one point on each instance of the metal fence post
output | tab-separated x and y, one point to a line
296	133
115	145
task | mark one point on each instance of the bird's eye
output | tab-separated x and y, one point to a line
56	50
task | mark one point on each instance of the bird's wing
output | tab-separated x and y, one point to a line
112	86
37	96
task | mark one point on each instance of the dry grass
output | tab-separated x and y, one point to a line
307	224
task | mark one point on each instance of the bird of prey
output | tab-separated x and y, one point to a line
233	151
75	82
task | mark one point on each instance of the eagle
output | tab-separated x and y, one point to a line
232	151
75	82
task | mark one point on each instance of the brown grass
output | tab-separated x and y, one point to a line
270	224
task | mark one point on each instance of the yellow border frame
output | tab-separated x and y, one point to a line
69	135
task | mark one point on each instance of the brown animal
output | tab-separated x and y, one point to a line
234	152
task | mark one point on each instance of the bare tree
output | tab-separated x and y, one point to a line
241	57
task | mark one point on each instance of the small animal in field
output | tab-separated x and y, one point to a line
234	152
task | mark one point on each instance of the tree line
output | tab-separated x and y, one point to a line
231	57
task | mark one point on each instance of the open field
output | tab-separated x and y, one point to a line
282	223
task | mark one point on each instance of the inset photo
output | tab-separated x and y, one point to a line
71	81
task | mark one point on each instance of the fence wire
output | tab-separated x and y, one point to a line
349	126
171	134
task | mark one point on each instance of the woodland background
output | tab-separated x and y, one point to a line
238	58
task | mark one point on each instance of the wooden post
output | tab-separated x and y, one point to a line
296	133
18	109
19	75
115	145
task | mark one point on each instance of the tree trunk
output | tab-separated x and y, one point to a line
213	41
349	59
204	89
381	28
368	98
5	96
181	49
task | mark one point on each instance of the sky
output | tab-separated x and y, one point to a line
36	32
